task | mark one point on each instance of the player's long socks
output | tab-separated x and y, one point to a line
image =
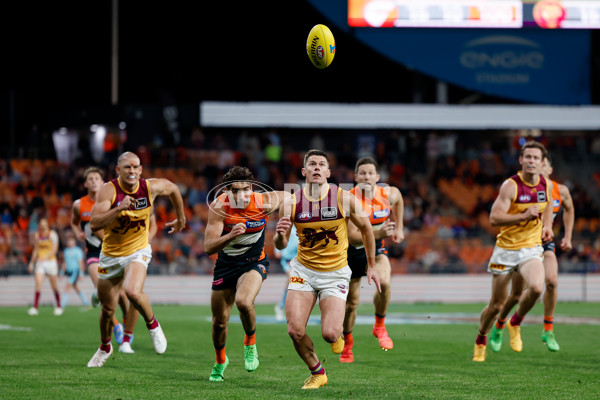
250	338
65	300
379	321
548	322
348	338
36	300
105	346
127	336
83	298
57	298
220	355
152	323
516	319
481	338
317	369
500	323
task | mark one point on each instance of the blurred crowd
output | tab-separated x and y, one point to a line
448	180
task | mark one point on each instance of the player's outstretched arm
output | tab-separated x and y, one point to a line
568	217
284	225
164	187
102	214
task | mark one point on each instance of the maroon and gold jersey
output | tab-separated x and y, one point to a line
128	233
322	230
527	233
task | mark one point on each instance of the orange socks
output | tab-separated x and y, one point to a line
548	322
500	323
379	321
249	340
220	353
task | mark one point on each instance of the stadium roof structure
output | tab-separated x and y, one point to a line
397	116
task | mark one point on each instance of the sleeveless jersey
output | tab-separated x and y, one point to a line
527	233
45	245
378	209
249	246
322	230
556	199
92	242
128	233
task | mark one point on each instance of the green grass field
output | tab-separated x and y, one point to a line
45	357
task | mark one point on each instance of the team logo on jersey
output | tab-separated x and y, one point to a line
126	223
304	215
312	237
139	204
328	213
541	197
524	198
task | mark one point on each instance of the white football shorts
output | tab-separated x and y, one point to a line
322	283
110	267
504	261
48	267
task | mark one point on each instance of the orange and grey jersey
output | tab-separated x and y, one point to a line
527	233
377	208
92	242
249	246
322	230
45	245
556	199
128	233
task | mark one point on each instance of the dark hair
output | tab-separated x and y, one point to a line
237	174
365	161
315	152
91	170
549	158
532	144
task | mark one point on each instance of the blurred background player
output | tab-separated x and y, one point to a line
561	197
521	211
320	270
73	267
123	210
44	262
236	231
81	211
379	203
285	256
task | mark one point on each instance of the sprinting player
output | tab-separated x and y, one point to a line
123	210
285	256
44	262
236	232
320	270
73	268
81	211
132	313
561	196
522	213
379	203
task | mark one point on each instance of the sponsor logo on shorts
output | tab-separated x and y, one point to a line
328	213
217	282
262	268
498	267
102	270
296	279
342	287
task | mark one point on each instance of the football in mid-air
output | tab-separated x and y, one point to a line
320	46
